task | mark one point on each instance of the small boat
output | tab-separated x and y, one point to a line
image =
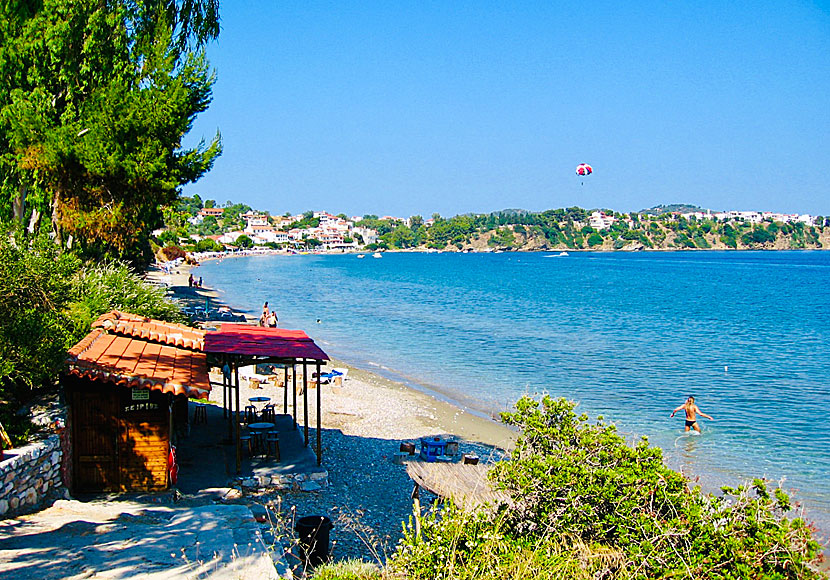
377	255
563	254
361	256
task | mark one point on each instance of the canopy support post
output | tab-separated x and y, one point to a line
238	447
285	391
319	430
224	390
228	402
294	391
305	403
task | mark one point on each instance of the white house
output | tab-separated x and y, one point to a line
600	221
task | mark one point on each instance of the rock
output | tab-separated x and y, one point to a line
309	486
4	506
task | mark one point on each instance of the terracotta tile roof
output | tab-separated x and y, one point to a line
140	363
127	324
260	341
141	352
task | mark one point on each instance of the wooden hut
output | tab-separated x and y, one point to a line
123	383
128	383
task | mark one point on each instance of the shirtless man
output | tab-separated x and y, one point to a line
691	414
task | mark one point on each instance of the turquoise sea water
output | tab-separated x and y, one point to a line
627	335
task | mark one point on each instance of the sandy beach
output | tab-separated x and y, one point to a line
363	421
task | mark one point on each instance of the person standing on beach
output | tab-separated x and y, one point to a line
263	320
692	411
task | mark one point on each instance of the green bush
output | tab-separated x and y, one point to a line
208	245
35	286
347	570
585	504
594	240
572	478
462	545
99	288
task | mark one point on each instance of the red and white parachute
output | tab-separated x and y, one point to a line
584	169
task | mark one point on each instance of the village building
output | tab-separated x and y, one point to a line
600	221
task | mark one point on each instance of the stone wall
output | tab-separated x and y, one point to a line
313	481
31	476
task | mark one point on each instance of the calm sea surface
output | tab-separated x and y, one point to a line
627	335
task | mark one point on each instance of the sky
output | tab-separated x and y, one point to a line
415	108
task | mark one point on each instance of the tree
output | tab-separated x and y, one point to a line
244	241
95	99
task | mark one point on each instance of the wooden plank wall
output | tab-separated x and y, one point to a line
144	441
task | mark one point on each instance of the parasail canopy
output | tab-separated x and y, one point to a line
584	169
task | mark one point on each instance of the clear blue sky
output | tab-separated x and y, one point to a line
409	108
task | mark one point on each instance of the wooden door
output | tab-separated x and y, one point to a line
144	442
95	440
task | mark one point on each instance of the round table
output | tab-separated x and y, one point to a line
258	430
259	399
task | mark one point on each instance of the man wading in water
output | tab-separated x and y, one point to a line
691	414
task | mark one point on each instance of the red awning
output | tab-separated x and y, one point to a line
262	341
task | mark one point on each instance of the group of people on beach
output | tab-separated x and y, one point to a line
193	283
269	317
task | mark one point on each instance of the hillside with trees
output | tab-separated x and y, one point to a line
570	229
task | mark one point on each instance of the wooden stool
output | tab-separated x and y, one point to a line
200	414
272	441
245	443
268	413
250	414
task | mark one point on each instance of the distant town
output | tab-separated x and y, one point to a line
202	226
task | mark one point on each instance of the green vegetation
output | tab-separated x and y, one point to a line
95	99
49	298
347	570
584	504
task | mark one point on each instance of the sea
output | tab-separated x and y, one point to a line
625	335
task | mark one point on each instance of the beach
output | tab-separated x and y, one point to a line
363	421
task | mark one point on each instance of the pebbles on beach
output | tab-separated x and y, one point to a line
364	422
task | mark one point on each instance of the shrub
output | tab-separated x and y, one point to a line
169	253
35	285
461	545
99	288
594	240
572	478
347	570
208	245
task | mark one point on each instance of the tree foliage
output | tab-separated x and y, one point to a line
585	504
95	99
48	298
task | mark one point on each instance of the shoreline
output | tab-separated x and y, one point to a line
360	414
445	413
